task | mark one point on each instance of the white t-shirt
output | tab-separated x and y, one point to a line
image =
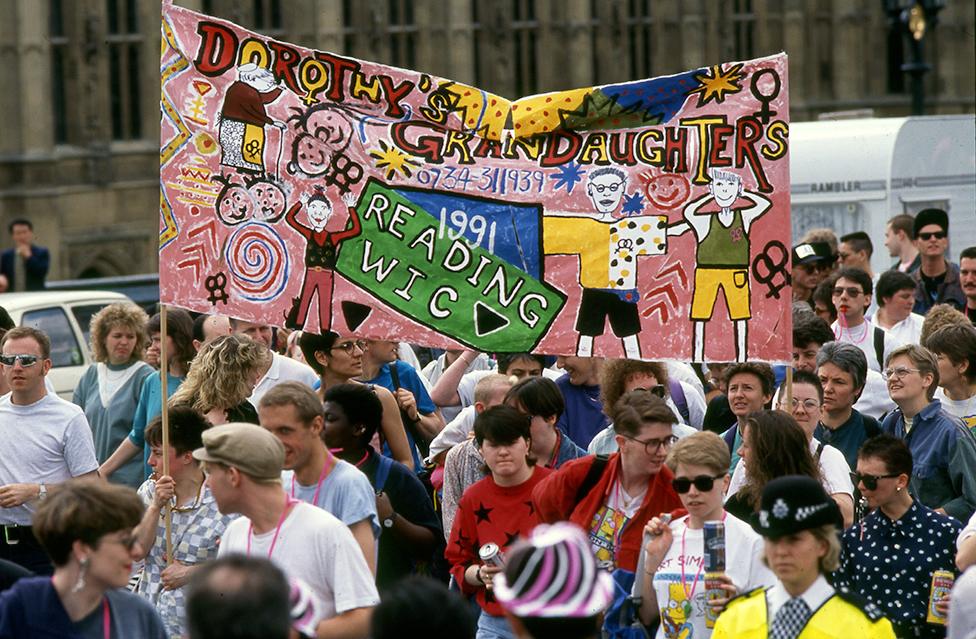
874	400
283	369
684	603
962	615
907	331
317	548
685	373
967	532
833	466
46	442
470	380
345	492
963	409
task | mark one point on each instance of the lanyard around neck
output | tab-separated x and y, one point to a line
326	470
281	520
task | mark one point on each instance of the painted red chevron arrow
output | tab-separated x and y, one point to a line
667	289
662	310
675	268
211	229
197	261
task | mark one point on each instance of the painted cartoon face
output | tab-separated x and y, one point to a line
311	155
329	126
318	212
725	190
235	204
605	191
668	191
269	200
262	82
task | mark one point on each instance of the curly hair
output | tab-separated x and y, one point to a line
615	373
218	377
777	447
126	315
940	316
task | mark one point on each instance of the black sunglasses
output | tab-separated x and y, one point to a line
703	483
939	235
870	481
657	390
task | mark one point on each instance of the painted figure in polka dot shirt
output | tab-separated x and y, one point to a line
890	555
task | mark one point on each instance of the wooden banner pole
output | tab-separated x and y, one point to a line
163	377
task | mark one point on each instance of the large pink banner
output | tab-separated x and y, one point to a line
647	219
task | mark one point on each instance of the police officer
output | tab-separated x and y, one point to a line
799	522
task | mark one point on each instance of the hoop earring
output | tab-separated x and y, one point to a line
81	575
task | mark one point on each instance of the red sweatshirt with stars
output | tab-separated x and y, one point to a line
487	513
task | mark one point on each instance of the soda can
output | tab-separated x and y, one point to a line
714	535
713	590
942	581
491	555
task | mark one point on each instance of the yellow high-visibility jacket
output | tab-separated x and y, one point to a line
843	616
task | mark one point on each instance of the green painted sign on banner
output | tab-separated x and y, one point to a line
405	258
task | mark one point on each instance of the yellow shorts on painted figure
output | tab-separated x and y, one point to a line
734	282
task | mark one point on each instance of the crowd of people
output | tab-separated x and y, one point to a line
326	485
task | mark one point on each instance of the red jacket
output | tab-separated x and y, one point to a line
555	500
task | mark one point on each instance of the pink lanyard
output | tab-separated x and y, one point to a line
326	469
284	513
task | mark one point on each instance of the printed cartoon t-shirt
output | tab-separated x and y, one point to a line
609	522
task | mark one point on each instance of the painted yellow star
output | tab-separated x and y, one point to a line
393	160
717	84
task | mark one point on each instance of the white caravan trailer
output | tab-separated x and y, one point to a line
854	175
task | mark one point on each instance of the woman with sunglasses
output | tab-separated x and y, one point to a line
889	556
496	510
943	449
85	526
672	586
109	390
338	359
620	376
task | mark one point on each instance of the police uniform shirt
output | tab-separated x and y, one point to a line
890	563
814	597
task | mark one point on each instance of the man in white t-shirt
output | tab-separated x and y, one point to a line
851	297
44	440
243	464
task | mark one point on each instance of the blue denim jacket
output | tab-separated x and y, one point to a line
944	459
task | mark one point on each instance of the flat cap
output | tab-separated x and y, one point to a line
248	448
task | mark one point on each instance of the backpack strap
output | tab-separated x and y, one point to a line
879	336
382	473
820	448
394	375
592	476
680	401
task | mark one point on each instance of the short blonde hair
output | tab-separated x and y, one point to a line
218	376
490	384
924	360
126	315
828	534
704	448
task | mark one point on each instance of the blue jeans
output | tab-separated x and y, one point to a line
492	627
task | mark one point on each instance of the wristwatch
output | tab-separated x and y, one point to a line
42	491
388	522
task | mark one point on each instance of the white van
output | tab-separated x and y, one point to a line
855	175
65	317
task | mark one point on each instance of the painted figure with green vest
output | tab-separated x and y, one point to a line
721	220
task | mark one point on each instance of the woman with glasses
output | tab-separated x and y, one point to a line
338	359
196	525
672	587
109	390
889	556
943	449
807	400
496	510
85	526
613	497
221	378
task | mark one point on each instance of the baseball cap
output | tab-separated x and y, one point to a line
554	574
792	504
247	447
930	216
811	252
